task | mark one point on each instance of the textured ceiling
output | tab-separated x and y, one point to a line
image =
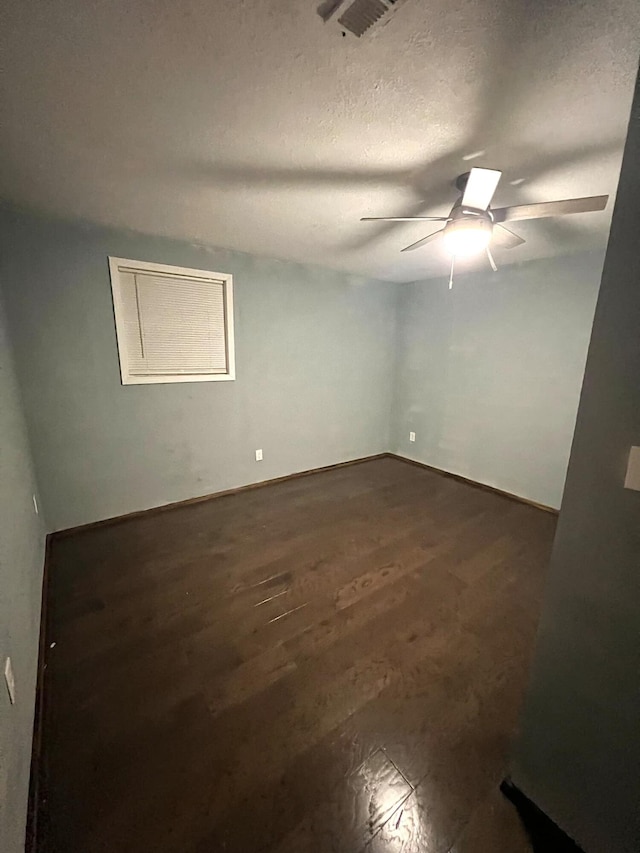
252	125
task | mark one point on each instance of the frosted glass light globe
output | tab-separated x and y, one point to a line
464	238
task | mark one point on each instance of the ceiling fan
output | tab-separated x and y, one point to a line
473	226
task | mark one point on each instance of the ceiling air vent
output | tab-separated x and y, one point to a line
359	16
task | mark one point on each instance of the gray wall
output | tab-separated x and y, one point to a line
21	561
313	357
579	752
489	373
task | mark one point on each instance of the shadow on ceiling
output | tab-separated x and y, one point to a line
505	87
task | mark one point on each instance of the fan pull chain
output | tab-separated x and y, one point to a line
491	261
453	261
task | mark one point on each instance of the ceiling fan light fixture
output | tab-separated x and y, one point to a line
463	238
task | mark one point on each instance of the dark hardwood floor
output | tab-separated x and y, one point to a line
331	663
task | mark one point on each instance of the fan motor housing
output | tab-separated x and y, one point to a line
460	182
464	218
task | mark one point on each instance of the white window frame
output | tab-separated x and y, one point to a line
116	265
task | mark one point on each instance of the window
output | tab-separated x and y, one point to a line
172	324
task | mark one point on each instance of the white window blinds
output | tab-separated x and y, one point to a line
173	325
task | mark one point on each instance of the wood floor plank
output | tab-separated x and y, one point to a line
334	662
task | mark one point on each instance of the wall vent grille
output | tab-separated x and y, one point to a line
361	15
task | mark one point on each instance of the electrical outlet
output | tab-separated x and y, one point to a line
412	436
259	455
11	682
35	504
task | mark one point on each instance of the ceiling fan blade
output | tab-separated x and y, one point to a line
550	208
481	185
404	219
422	242
505	239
